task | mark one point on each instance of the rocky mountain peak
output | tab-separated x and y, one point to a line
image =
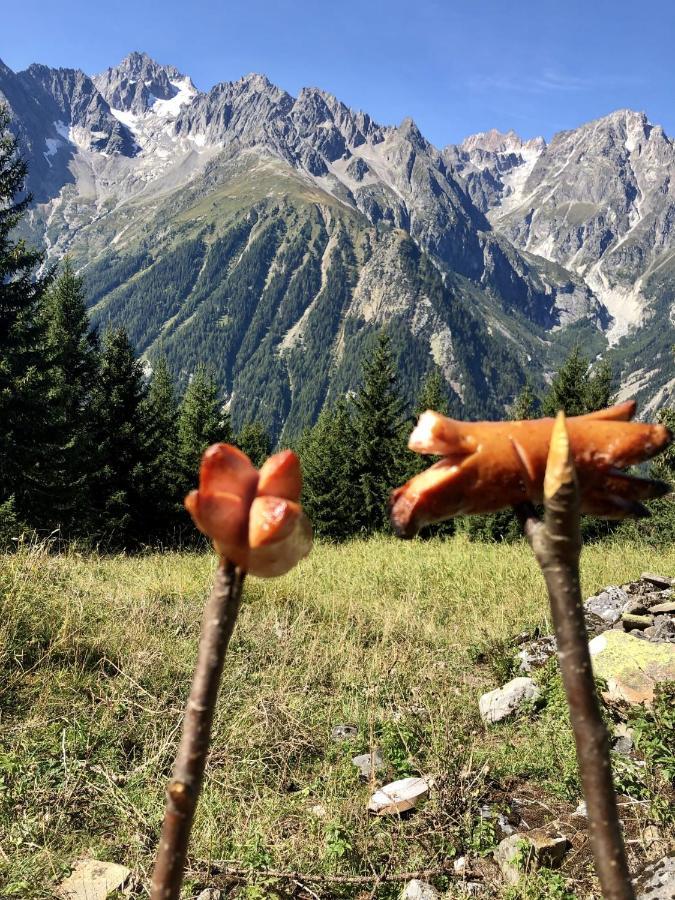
409	131
138	82
493	141
256	82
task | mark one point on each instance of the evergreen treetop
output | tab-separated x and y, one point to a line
24	411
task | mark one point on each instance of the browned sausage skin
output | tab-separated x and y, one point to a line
487	466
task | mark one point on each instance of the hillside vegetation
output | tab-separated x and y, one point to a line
398	639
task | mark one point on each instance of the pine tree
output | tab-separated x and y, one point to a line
164	482
330	496
72	357
379	438
525	404
200	423
599	391
120	483
433	394
255	442
24	412
576	388
569	387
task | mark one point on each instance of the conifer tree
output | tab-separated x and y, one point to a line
255	442
72	358
525	404
433	394
200	423
24	413
576	388
120	483
599	392
379	438
330	493
164	482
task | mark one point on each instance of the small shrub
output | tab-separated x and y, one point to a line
11	528
498	654
544	884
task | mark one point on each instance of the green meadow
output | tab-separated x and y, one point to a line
398	639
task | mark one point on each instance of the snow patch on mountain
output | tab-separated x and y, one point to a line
185	93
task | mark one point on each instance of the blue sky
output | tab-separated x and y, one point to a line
455	67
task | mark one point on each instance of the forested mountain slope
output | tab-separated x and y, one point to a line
270	235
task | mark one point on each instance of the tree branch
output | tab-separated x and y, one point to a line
220	616
556	543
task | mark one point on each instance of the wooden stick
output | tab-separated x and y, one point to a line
220	616
227	872
556	543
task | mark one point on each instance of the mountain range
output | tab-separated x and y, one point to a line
271	236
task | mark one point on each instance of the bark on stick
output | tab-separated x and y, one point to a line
556	543
220	616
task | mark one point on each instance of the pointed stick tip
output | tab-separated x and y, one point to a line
559	465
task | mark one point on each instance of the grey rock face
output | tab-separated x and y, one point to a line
76	102
599	200
509	219
535	654
137	82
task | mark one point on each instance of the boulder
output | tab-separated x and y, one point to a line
92	879
419	890
630	666
210	894
608	604
472	889
657	881
525	852
505	701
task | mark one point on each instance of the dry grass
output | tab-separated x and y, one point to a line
96	655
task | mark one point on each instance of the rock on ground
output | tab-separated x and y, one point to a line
344	733
608	604
419	890
659	581
632	667
368	763
92	879
657	882
505	701
520	853
535	654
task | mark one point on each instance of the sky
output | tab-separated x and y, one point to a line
455	67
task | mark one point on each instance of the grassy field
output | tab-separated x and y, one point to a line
399	639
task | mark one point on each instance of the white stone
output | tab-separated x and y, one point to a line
503	702
419	890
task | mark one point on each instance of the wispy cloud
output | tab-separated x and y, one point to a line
549	81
